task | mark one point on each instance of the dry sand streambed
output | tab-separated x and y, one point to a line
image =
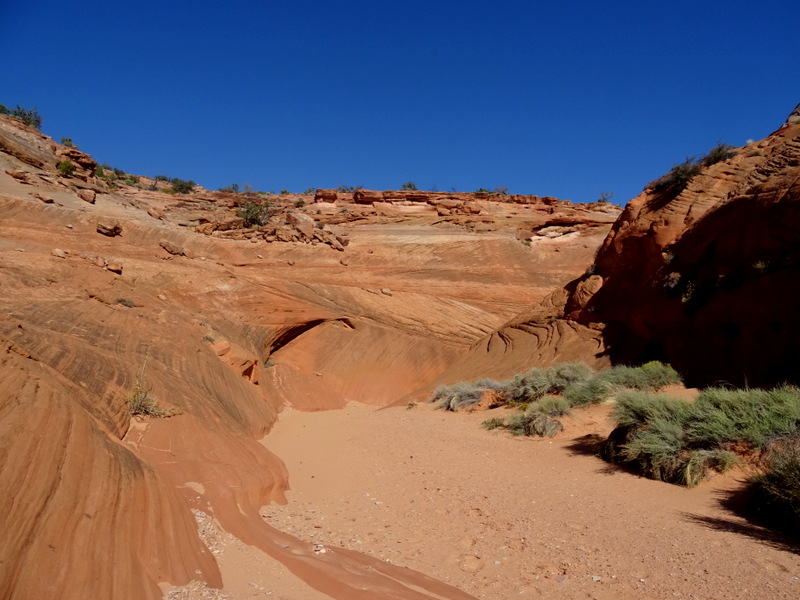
503	517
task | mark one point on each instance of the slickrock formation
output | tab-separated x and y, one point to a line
129	289
706	279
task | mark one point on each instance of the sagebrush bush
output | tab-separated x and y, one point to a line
255	213
650	376
179	186
776	496
463	394
678	177
533	423
592	391
65	168
141	403
678	441
533	385
753	417
718	153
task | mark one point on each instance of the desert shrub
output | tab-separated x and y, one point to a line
65	168
533	423
65	141
409	186
161	178
776	492
604	197
255	212
99	171
717	154
533	385
678	441
650	376
753	417
141	402
501	190
459	395
494	423
678	177
300	203
552	406
591	391
131	180
29	116
181	186
4	110
127	302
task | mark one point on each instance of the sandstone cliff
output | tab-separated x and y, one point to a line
109	287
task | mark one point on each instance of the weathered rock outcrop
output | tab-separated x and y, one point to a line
708	280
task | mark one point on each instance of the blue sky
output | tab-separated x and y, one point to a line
568	99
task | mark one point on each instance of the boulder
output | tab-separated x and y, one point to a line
109	228
87	195
367	196
326	196
172	248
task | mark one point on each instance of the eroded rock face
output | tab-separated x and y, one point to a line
708	280
226	324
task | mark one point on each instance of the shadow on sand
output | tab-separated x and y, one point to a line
738	502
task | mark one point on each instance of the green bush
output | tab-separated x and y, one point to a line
552	406
65	168
538	381
494	423
651	376
29	116
753	417
99	171
678	441
776	496
533	423
255	213
717	154
591	391
126	302
409	186
65	141
678	177
181	186
463	394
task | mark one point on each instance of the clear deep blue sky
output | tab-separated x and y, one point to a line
563	98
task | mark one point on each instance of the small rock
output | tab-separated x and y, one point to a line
58	252
109	229
290	263
471	564
114	266
155	213
596	578
68	226
343	262
162	297
386	291
172	248
561	579
87	196
44	199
